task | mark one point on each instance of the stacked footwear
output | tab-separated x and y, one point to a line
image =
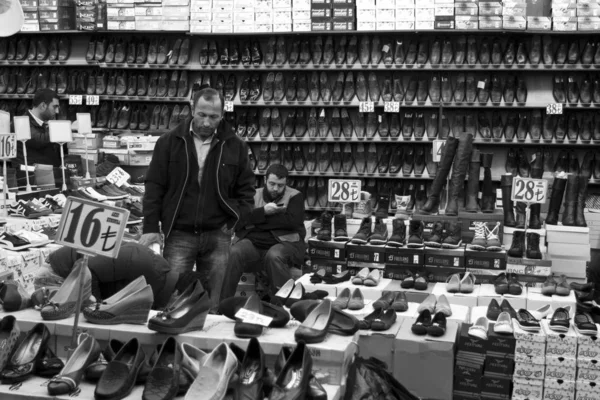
23	240
28	209
138	116
141	51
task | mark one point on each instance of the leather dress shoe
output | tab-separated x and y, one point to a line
71	375
361	87
325	88
422	90
328	51
316	49
572	89
215	374
299	363
364	50
349	87
374	91
315	326
360	159
342	324
27	356
459	89
280	51
460	50
340	50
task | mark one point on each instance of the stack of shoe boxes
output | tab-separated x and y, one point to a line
444	14
588	15
120	16
92	141
176	15
282	15
490	15
328	255
425	15
344	15
569	249
402	262
366	15
200	16
405	15
469	364
361	256
56	15
30	13
530	360
301	15
385	15
222	16
321	15
564	15
148	16
499	365
243	16
466	14
514	15
561	363
588	367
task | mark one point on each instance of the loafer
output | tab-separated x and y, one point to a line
214	375
428	304
560	321
585	325
408	282
422	322
493	310
315	326
27	356
163	380
360	277
549	286
384	321
400	303
192	358
438	325
501	284
95	370
342	324
421	282
63	303
357	300
504	324
341	302
526	321
443	306
67	381
480	328
373	278
385	301
514	286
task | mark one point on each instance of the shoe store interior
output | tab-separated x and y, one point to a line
320	200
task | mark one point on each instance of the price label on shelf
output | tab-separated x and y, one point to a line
438	149
75	99
366	106
529	190
92	100
391	107
344	190
118	177
91	227
251	317
228	106
8	146
554	109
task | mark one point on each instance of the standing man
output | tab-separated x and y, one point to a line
271	238
198	187
40	150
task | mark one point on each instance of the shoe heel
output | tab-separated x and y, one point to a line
197	323
136	315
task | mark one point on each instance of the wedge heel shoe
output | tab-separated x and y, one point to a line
62	305
131	309
195	324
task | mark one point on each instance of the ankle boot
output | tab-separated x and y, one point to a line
415	234
488	198
473	183
581	196
533	246
383	205
507	204
433	202
398	233
340	231
520	213
517	246
325	230
453	238
556	197
459	171
568	218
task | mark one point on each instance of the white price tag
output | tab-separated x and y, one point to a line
75	99
8	146
529	190
438	149
250	317
118	177
391	106
366	106
22	128
92	100
84	124
344	190
481	85
554	109
91	227
228	106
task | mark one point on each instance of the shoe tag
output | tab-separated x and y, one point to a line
366	106
391	106
385	48
92	100
118	177
228	106
554	109
481	85
75	99
250	317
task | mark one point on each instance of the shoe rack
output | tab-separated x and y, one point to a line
296	97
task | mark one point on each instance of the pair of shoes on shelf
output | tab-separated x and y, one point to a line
553	287
350	301
454	283
426	324
391	300
416	281
320	323
507	283
367	277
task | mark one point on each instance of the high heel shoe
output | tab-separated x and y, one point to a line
27	355
69	377
247	330
63	303
229	307
131	309
292	382
284	292
187	314
296	295
133	286
252	372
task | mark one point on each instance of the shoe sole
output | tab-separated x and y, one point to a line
395	244
415	245
378	241
435	245
587	332
341	239
527	328
493	248
558	328
359	241
451	246
507	331
476	247
195	324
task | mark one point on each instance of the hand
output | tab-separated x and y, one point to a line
148	239
272	208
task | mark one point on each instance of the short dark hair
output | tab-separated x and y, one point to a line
278	170
44	96
208	94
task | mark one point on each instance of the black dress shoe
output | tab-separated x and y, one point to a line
315	326
493	310
385	301
298	364
120	375
422	323
163	379
342	324
560	321
26	358
249	330
384	321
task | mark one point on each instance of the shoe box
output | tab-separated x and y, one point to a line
569	249
531	272
558	389
331	266
441	263
378	344
485	265
529	344
329	250
423	366
365	253
527	389
401	262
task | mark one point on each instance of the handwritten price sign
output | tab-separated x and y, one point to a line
366	106
529	190
391	107
8	146
251	317
344	190
554	109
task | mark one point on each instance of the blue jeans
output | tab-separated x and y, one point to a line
208	250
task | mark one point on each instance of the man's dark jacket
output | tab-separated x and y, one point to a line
173	195
40	150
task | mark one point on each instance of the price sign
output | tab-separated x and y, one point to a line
366	106
251	317
92	100
391	106
8	146
91	227
344	191
529	190
228	106
118	177
75	99
554	109
438	149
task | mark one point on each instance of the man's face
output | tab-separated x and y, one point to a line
207	116
275	186
50	111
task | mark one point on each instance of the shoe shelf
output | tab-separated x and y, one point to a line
394	32
333	175
17	96
343	139
530	142
42	63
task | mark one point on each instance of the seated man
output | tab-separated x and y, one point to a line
271	238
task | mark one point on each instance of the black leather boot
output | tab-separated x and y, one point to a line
520	214
556	197
537	171
517	247
324	232
433	202
459	171
383	205
533	246
581	196
507	204
473	183
568	218
488	198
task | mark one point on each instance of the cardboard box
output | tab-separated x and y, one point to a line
560	344
529	344
445	257
499	344
468	343
327	250
533	368
499	365
365	253
404	256
331	266
527	389
416	358
491	23
587	390
558	389
378	344
539	23
492	260
558	367
462	299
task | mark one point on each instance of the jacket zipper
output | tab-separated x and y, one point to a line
187	173
219	190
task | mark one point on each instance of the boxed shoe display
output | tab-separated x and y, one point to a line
358	253
527	389
329	250
558	388
460	299
378	344
558	367
529	344
560	344
533	368
330	266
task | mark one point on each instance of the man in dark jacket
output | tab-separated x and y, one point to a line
271	238
198	186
